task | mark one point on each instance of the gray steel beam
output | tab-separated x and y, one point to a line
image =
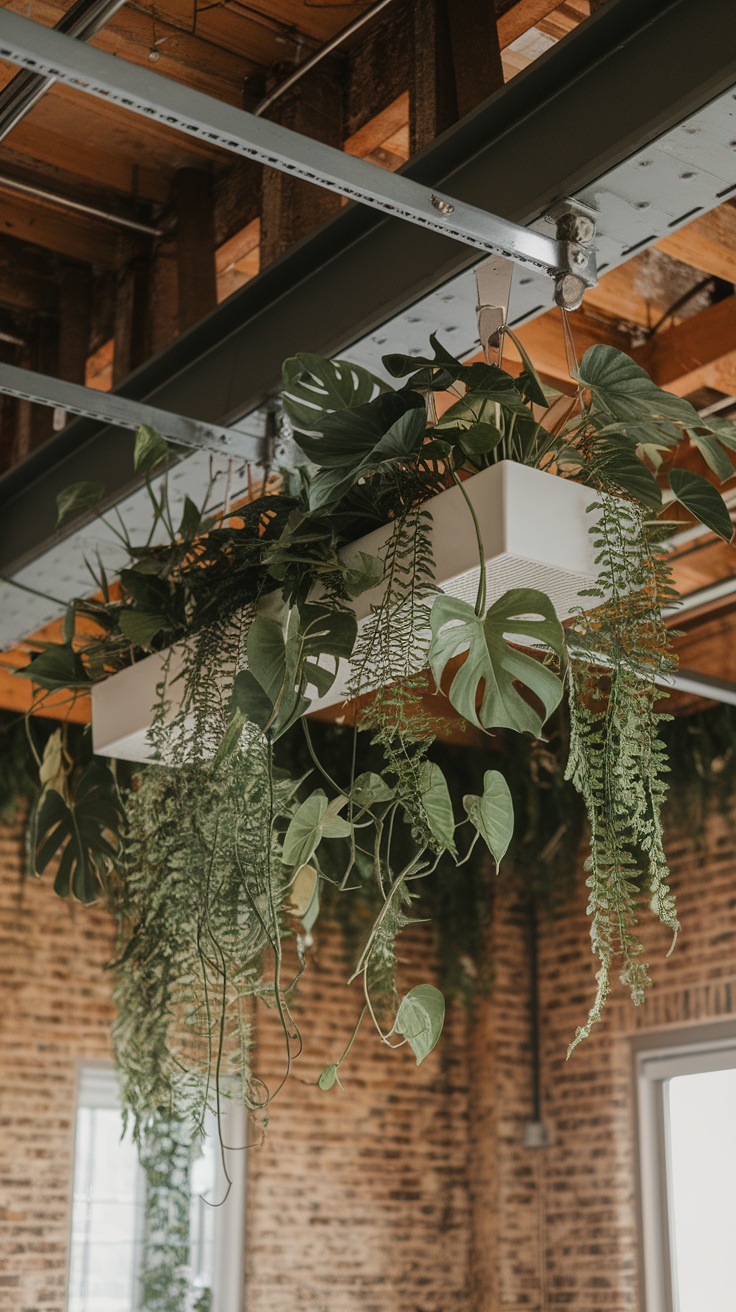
145	92
74	399
619	81
82	20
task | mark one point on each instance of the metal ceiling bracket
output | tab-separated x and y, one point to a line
146	92
493	280
124	413
575	228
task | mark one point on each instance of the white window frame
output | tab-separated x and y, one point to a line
97	1087
690	1050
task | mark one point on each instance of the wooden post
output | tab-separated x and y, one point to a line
75	322
290	208
456	64
132	333
195	245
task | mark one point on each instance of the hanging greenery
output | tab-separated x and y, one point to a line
216	860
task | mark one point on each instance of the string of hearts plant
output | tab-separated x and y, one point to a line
215	859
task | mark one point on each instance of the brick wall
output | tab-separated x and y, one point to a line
411	1191
54	1011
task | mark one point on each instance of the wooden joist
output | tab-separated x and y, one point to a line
700	352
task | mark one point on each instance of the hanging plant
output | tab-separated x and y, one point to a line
227	847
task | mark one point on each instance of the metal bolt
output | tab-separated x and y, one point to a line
444	206
569	290
580	258
585	228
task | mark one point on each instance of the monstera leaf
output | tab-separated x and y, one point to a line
367	454
76	831
57	666
315	387
492	665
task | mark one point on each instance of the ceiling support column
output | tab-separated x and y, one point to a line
75	322
291	208
195	245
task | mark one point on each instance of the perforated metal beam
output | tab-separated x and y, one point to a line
549	132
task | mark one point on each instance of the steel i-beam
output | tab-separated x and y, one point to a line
569	259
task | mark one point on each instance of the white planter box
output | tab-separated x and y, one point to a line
535	533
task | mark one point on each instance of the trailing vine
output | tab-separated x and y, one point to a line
217	858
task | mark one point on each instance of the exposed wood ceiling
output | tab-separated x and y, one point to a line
672	305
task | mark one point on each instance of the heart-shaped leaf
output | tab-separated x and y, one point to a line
437	806
363	572
492	665
57	666
420	1018
304	896
151	449
314	820
492	814
624	390
75	500
703	500
329	1076
370	788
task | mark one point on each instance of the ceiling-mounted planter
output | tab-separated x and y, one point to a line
535	531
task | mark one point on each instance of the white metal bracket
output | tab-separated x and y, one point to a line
566	258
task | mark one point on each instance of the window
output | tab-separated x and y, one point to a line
687	1142
109	1210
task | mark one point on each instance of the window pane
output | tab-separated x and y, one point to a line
106	1215
702	1183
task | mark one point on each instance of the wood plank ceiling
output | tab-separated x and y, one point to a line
86	298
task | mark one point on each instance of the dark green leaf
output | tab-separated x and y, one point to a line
437	806
232	734
76	499
479	439
58	666
363	572
619	463
190	520
703	501
315	387
714	455
151	449
345	438
492	814
76	833
420	1018
492	666
625	390
141	626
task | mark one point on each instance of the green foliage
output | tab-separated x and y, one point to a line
420	1018
77	499
492	666
492	814
617	759
75	829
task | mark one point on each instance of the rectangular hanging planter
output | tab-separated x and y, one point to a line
535	533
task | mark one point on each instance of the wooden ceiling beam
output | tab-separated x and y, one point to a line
543	339
701	352
708	243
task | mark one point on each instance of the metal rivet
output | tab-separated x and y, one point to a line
444	206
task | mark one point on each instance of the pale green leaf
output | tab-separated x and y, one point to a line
314	820
420	1018
75	500
370	788
328	1076
151	449
492	814
437	805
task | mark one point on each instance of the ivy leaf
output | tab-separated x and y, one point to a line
314	387
304	896
314	820
703	501
329	1076
438	806
420	1018
76	499
76	831
492	814
364	572
370	788
492	664
190	520
622	388
150	450
57	666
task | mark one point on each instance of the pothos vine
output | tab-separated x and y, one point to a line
216	858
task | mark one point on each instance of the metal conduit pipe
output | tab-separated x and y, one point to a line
319	55
83	20
80	207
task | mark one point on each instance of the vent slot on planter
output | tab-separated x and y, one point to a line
535	531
